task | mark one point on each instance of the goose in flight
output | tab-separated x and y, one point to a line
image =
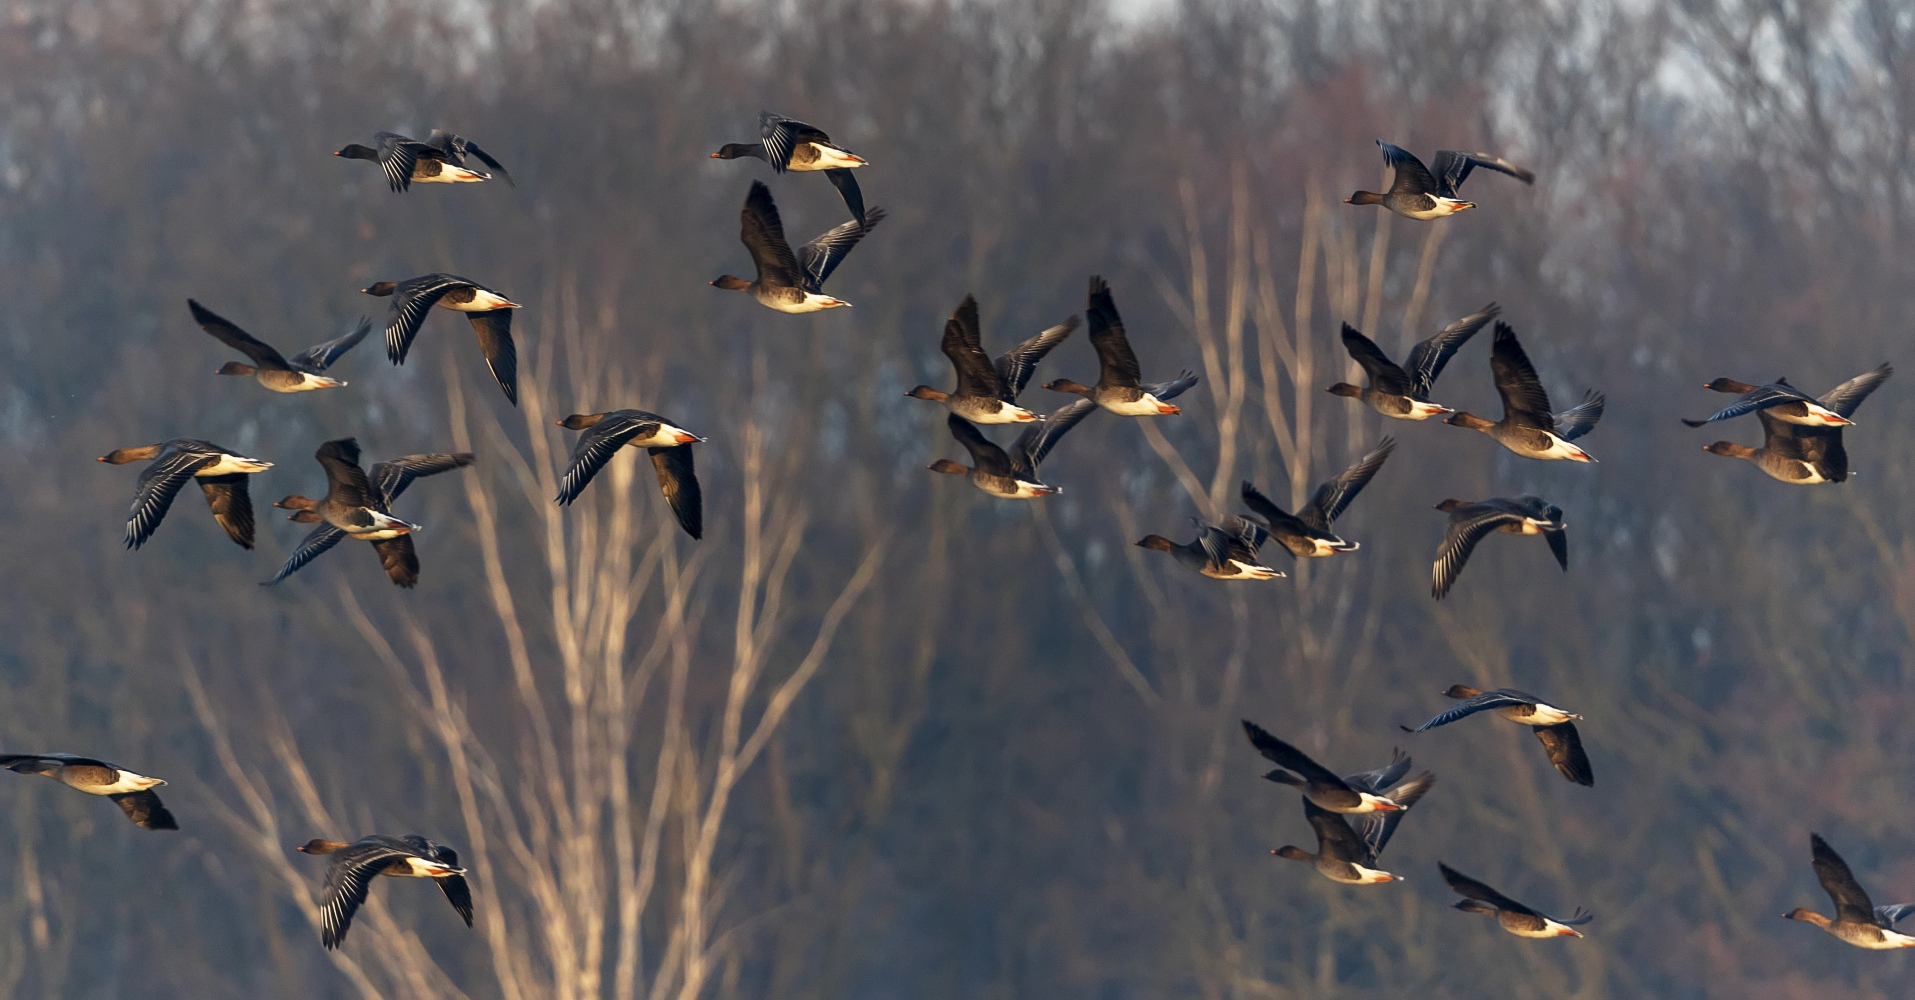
359	500
668	445
1514	917
441	159
1472	522
1857	920
302	373
489	311
789	144
1528	428
1404	394
220	472
354	866
1120	387
1555	728
1419	192
987	391
788	282
1306	534
133	793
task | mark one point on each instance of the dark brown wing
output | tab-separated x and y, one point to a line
145	810
494	328
1332	497
400	561
345	480
1117	363
1516	381
262	353
763	234
679	481
1565	748
232	505
1335	839
1412	177
1283	754
1470	888
1385	375
986	456
1851	900
962	343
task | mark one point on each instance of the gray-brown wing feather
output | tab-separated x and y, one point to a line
1470	888
962	343
1844	398
1117	363
1283	754
1428	357
1332	497
494	330
678	479
145	810
1565	748
1014	367
159	483
1475	521
1516	380
1385	375
262	353
1850	899
818	258
411	301
596	446
320	357
232	505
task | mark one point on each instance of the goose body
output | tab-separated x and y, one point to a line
1306	534
1472	522
1801	437
987	391
791	282
1784	402
1404	392
1511	915
1554	727
489	312
1222	551
358	505
220	472
1348	847
302	373
439	160
354	866
1858	920
1120	388
669	446
1012	475
1528	428
1424	193
1319	784
789	144
131	791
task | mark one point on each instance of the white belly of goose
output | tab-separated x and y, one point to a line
1146	405
828	158
449	174
129	782
666	436
229	464
1420	410
1443	207
308	382
483	300
812	302
1561	449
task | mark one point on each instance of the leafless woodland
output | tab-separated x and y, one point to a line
878	735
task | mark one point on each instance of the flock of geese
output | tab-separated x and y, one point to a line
1353	816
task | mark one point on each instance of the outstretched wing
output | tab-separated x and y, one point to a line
1460	540
1274	516
1851	900
1565	748
962	344
1452	167
1284	755
782	135
986	457
459	894
1332	497
762	231
1516	380
1412	177
1014	367
458	146
392	478
1470	888
847	184
411	300
1844	398
1501	698
595	447
822	255
1335	838
398	155
1167	391
348	879
1760	398
159	483
145	810
1117	363
262	353
232	505
1039	438
321	538
1581	418
494	329
320	357
1428	357
1384	374
1377	828
679	481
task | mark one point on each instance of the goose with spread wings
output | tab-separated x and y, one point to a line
1528	428
669	446
1798	445
1404	393
1784	402
1306	534
301	373
1348	847
1012	475
354	866
133	793
1514	917
441	159
987	391
1472	522
1432	192
789	144
358	505
489	311
1226	550
1858	921
220	472
1120	386
1555	728
1317	783
788	282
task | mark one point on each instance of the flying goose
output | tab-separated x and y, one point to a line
489	312
1316	782
440	160
269	367
1796	451
789	144
1306	533
1223	551
668	445
1528	428
1405	394
1790	405
1420	192
221	475
349	876
1347	849
133	793
1553	726
786	282
1514	917
382	487
987	393
1012	476
1857	920
1471	522
1120	387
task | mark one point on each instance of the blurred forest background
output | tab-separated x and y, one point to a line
879	735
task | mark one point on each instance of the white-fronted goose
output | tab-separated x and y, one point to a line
1306	534
1223	551
384	483
490	313
355	865
133	793
1347	849
787	282
1857	920
1528	428
789	144
1405	395
1514	917
220	473
1120	387
987	393
1555	728
1790	405
1471	522
1012	476
272	370
1316	782
669	446
1419	192
406	160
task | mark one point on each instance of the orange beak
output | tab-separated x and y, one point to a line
1168	410
685	437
